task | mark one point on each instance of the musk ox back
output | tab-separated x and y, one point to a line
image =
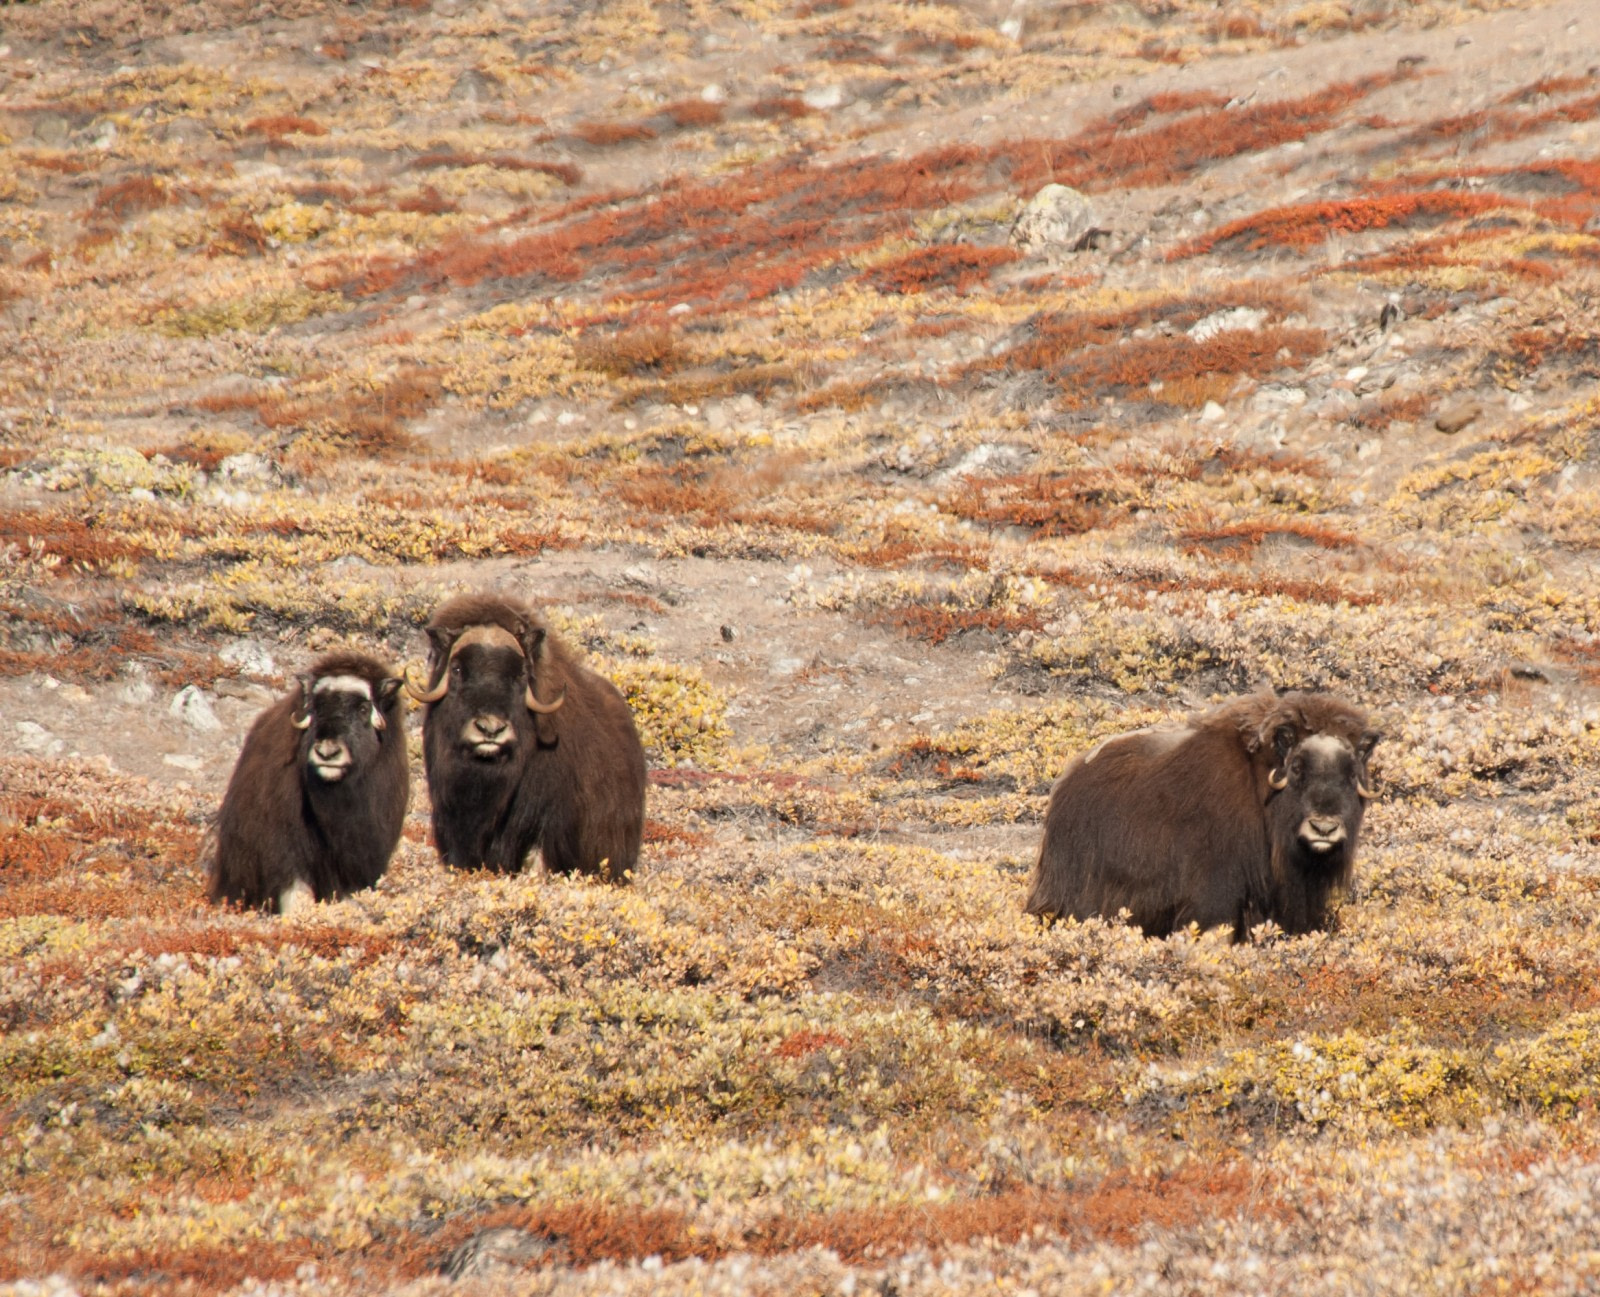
318	796
525	747
1248	813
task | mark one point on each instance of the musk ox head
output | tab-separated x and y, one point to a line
488	675
1311	756
340	717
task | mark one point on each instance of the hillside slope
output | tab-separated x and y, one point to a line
714	330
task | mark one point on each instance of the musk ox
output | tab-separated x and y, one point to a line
526	747
1247	813
318	797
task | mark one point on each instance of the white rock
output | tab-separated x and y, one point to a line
137	692
249	657
184	762
243	466
1213	412
33	737
822	99
1056	216
193	708
1237	317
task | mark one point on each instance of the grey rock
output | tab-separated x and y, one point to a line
33	737
1057	216
51	129
490	1250
193	708
250	657
475	87
1453	418
1245	318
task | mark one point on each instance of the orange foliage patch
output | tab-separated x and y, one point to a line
720	244
1066	504
365	422
604	134
1119	1208
936	625
775	106
1307	224
947	265
1238	537
628	352
565	172
692	113
802	1044
1108	154
284	124
128	197
73	539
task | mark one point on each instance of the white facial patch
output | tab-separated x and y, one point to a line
343	685
1327	747
350	685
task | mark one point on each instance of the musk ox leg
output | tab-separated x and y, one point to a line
296	896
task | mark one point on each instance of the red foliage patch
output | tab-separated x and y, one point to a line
776	106
565	172
129	197
802	1044
208	940
731	242
606	134
1065	504
946	265
935	625
1107	154
277	128
1307	224
73	539
1236	538
689	114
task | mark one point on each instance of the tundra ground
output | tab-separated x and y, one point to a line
704	327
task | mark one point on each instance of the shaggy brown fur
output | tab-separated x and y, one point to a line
282	823
1248	813
505	779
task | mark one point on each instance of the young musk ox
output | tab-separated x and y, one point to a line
524	747
1247	813
317	799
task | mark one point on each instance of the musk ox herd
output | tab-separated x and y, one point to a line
1245	814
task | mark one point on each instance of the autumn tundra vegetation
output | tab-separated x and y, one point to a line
1247	815
894	402
316	803
526	747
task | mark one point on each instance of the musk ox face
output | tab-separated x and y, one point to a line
1319	788
483	686
340	717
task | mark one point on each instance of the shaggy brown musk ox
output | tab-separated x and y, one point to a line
318	797
1247	813
525	747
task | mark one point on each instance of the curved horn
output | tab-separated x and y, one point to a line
429	695
544	709
301	722
1364	790
1278	780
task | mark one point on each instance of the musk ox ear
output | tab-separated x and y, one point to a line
300	718
1369	740
440	641
1284	739
383	698
535	649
